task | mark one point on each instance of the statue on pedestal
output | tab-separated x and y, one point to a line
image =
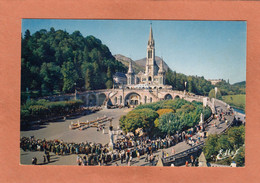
111	137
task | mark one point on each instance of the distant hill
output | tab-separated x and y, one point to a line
138	65
241	84
125	60
142	62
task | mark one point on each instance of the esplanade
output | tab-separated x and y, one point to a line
145	87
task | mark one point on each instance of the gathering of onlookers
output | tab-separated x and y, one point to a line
124	149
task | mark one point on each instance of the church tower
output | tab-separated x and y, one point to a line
130	74
150	69
161	74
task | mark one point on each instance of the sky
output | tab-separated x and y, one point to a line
213	49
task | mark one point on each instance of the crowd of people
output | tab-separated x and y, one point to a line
124	149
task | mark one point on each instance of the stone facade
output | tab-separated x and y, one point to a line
215	81
140	88
123	97
154	76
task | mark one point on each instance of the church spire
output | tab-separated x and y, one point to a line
161	69
130	69
151	68
151	41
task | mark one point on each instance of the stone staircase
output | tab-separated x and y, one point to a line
107	98
151	92
113	94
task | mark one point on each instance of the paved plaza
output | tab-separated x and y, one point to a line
60	130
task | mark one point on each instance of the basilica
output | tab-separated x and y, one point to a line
154	75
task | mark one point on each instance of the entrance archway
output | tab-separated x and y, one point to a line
133	99
92	100
83	98
168	97
101	98
177	97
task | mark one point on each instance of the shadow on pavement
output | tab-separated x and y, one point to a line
34	127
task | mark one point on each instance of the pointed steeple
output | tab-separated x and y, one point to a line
151	41
130	69
161	69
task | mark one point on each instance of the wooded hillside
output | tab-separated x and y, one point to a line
56	61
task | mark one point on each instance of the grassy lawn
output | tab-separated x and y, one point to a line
238	101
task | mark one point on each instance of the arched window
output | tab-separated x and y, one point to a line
115	100
120	99
145	99
150	54
151	99
168	97
149	78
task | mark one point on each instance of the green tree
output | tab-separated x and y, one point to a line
57	47
109	83
236	136
190	84
42	109
51	76
240	157
109	74
234	139
139	118
97	79
224	143
88	80
186	108
210	149
27	35
170	78
212	94
70	76
170	123
36	78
